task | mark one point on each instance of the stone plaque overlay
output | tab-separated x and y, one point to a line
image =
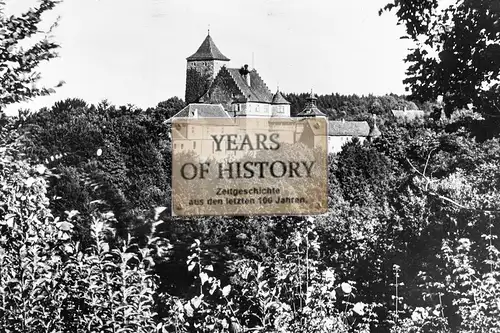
249	166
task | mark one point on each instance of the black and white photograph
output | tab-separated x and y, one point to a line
237	166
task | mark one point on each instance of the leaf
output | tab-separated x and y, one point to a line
226	290
158	211
196	301
64	226
213	288
192	265
189	309
203	278
10	220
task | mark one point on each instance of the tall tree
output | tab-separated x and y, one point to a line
18	64
457	53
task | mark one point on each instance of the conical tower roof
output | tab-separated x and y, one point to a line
208	51
279	99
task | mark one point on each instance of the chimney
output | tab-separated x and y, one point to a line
246	74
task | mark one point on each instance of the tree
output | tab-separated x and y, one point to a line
457	53
363	173
18	64
170	107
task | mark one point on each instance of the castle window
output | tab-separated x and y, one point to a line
194	144
182	146
175	146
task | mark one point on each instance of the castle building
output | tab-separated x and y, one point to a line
241	91
213	89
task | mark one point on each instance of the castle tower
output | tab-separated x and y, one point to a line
280	106
311	110
202	67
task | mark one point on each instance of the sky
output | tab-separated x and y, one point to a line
134	51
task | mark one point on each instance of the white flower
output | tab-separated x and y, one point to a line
30	181
99	152
419	315
346	287
40	169
359	308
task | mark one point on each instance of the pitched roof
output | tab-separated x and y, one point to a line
257	91
408	114
311	111
201	111
279	99
348	128
208	51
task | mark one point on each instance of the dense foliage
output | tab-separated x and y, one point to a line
48	282
457	51
354	107
19	62
409	243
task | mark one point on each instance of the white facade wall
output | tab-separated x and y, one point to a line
280	110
